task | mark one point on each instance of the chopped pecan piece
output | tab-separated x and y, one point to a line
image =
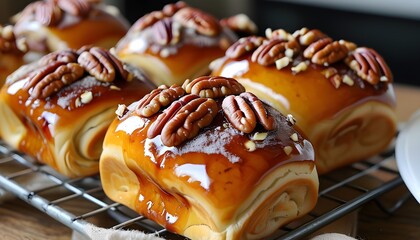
213	87
158	98
101	64
67	56
272	50
239	113
369	65
240	23
75	7
52	78
243	46
202	22
281	34
9	43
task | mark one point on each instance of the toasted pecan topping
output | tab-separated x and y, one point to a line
243	46
244	110
202	22
158	98
239	113
265	119
67	56
306	36
75	7
213	87
101	64
272	50
325	51
185	115
369	65
172	8
61	68
164	32
50	12
187	122
52	78
283	49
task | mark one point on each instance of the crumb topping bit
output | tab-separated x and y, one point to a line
310	46
62	68
9	43
181	112
288	150
51	12
240	23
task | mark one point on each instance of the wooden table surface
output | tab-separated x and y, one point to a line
18	220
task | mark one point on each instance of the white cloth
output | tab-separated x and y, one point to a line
97	233
332	236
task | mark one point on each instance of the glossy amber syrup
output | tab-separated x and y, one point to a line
214	167
44	118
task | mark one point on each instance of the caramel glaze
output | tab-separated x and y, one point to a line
43	118
309	95
99	28
185	59
215	165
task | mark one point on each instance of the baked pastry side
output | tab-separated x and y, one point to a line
340	94
58	109
209	161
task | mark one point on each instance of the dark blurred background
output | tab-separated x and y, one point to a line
390	27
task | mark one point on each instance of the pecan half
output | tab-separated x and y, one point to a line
244	46
264	118
170	9
47	13
53	77
306	36
147	20
67	56
213	87
202	22
75	7
101	64
187	122
239	113
369	65
273	50
157	126
161	97
163	31
325	51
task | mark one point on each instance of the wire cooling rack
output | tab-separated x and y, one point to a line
76	202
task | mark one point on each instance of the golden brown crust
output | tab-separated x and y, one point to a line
320	82
50	25
198	182
64	110
174	44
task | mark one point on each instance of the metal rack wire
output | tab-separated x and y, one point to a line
76	202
